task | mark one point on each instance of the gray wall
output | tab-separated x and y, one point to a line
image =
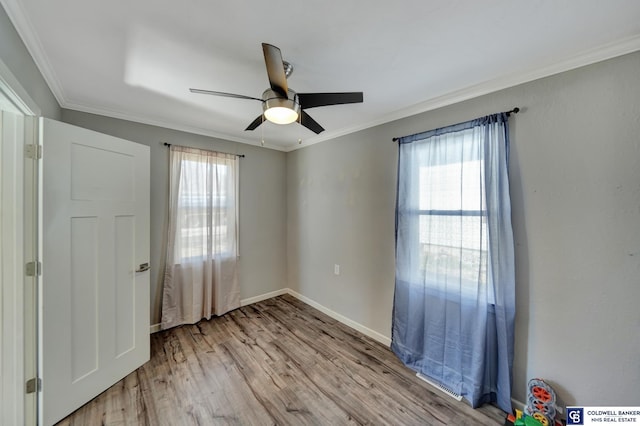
262	202
16	57
340	203
575	187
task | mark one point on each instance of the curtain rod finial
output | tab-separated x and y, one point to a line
513	111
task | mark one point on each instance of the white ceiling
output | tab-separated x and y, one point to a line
136	59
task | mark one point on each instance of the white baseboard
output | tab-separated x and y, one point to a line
244	302
261	297
517	405
346	321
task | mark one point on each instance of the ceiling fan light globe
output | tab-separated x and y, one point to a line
281	115
278	109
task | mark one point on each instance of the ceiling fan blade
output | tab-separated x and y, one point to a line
275	69
310	123
225	94
255	123
312	100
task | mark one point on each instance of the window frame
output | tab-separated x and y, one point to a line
208	195
430	281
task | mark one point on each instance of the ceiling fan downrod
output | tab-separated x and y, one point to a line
288	68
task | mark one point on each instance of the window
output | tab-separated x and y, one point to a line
444	204
452	224
203	209
206	204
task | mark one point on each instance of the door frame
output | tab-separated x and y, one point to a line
19	337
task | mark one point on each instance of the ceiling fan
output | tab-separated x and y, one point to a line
282	105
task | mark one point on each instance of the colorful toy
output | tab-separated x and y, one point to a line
541	402
521	419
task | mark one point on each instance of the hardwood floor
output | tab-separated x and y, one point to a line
280	362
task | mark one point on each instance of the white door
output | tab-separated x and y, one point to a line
95	305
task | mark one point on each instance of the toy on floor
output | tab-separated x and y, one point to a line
521	419
541	406
541	402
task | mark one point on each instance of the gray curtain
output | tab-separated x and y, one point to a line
454	304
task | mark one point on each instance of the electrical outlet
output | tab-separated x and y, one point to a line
336	269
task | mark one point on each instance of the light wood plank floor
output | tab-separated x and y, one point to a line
280	362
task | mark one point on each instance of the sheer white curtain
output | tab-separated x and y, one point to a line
201	270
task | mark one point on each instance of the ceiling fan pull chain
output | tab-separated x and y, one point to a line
300	129
262	132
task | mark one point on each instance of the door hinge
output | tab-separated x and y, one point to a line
33	151
34	385
33	269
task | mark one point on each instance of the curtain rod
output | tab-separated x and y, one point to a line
513	111
228	153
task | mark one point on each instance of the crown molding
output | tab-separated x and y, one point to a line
591	56
26	31
166	124
32	42
11	88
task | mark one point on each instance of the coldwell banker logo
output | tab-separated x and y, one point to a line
598	415
575	416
